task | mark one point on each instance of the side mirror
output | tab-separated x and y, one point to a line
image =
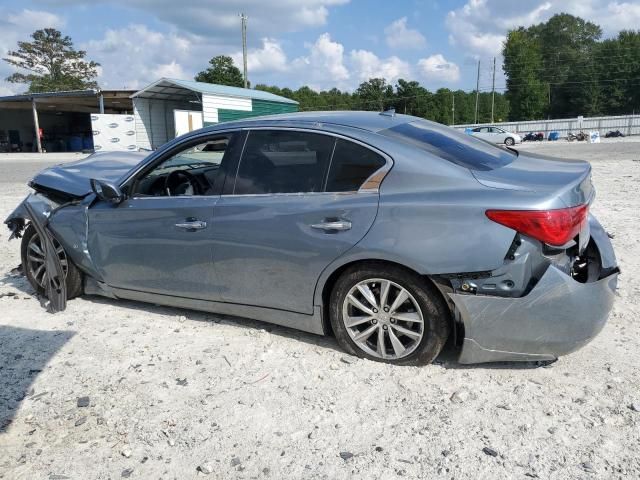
107	191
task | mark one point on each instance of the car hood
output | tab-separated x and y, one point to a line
73	178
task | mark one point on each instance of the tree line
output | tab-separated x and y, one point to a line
563	68
406	96
560	68
49	62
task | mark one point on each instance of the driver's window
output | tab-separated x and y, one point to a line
191	171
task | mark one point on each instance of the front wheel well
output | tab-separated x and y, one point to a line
441	287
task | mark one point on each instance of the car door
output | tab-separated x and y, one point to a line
159	240
498	135
482	133
296	204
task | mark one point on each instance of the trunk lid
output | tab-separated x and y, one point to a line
73	178
567	181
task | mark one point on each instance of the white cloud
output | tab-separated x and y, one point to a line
134	56
437	68
367	65
219	19
169	70
398	35
268	58
326	57
326	65
18	26
480	26
620	16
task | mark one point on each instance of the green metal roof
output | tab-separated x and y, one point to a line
170	87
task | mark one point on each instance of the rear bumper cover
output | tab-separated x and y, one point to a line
557	317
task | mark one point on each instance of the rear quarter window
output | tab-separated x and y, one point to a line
351	166
452	145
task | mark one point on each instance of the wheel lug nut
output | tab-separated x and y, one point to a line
375	310
386	309
384	327
374	321
392	320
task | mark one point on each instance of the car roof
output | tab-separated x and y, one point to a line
371	121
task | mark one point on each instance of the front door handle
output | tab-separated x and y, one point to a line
192	225
333	226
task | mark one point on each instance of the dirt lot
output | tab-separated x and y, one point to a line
181	394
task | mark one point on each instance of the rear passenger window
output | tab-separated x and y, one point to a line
283	162
352	164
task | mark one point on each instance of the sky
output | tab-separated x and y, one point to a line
319	43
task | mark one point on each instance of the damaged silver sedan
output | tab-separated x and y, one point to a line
395	234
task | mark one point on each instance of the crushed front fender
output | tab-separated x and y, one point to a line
41	208
55	286
67	222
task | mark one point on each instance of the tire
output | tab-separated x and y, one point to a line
509	142
30	266
423	300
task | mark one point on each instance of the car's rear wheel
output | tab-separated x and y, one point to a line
35	268
390	314
509	142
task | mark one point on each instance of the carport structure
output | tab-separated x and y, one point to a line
169	108
60	115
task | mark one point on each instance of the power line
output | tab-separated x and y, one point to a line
567	53
541	82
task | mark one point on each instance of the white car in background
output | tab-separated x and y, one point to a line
496	135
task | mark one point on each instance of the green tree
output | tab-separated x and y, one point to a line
412	98
221	71
52	62
374	94
618	66
564	61
526	91
409	97
568	44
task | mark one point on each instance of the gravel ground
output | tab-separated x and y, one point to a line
182	394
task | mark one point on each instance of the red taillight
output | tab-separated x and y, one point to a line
555	227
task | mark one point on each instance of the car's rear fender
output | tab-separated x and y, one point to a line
560	312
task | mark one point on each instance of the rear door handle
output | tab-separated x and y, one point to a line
333	226
192	225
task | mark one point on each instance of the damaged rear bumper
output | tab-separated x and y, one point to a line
557	317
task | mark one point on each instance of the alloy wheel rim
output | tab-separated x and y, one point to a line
383	319
36	259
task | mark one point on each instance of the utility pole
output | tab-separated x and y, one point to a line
453	108
493	89
243	17
477	92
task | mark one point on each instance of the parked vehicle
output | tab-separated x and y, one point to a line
533	137
496	135
390	232
580	136
614	134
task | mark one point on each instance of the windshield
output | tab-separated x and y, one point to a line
452	145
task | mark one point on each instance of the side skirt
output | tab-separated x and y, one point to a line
299	321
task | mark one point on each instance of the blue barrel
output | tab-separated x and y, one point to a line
87	142
75	143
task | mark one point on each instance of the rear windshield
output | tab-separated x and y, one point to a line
452	145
